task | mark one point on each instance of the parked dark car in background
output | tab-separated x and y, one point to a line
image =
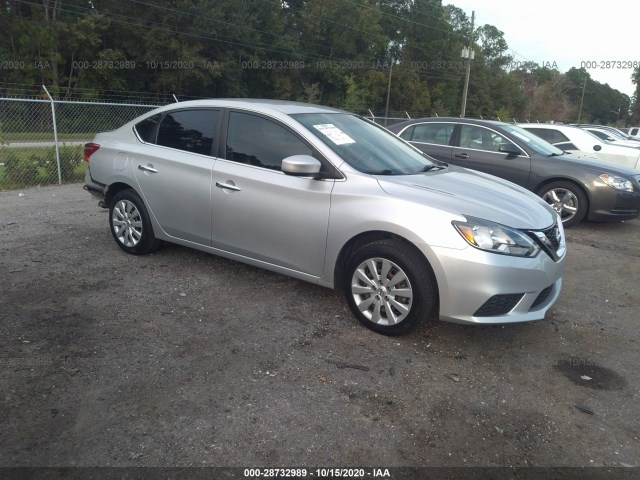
576	188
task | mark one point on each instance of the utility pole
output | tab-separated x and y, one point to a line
584	85
386	110
468	53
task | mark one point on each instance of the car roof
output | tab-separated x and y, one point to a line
471	120
549	125
263	105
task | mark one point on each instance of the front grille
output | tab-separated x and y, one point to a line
553	235
550	240
498	305
542	296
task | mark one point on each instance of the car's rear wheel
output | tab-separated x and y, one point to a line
130	224
390	287
567	199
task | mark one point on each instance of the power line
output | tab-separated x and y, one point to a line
180	12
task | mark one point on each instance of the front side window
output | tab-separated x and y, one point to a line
261	142
480	138
189	130
437	133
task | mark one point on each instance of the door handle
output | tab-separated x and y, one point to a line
462	155
228	186
147	168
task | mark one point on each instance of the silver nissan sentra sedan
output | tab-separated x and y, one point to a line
329	197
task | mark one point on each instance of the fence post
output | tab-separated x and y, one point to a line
55	134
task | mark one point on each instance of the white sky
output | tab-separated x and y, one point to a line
567	32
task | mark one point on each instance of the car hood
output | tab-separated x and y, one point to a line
467	192
598	166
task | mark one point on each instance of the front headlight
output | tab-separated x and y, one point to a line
617	182
496	238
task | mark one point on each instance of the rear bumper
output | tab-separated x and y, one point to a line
97	190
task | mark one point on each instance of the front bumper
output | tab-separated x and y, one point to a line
607	203
478	287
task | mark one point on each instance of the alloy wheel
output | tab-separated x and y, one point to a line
382	291
563	201
127	223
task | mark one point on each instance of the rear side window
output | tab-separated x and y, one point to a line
257	141
550	135
189	130
146	129
438	133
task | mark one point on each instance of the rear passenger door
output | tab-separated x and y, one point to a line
173	170
479	149
433	138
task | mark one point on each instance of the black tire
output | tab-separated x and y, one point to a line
401	258
567	195
130	224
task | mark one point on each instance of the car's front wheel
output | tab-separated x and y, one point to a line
567	199
390	287
130	224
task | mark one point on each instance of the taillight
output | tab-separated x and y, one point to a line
89	149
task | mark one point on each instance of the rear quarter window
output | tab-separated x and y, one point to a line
147	128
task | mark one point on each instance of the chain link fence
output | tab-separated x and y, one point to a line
42	141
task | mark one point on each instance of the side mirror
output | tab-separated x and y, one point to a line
301	166
597	148
509	148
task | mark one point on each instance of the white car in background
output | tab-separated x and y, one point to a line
610	136
582	143
634	132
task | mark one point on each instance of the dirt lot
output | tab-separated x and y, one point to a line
182	358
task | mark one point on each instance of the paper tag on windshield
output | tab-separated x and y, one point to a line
334	134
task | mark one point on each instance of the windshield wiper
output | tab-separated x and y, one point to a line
558	154
426	168
386	171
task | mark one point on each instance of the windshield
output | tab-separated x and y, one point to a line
534	142
365	146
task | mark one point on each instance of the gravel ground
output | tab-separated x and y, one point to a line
185	359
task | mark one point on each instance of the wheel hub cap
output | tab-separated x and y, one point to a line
127	223
382	291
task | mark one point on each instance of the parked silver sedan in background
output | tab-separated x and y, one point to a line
328	197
